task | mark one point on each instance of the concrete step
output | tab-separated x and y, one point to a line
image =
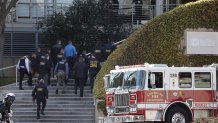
55	105
60	98
57	102
43	120
55	116
50	94
48	112
21	109
61	108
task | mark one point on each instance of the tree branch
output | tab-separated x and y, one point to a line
11	4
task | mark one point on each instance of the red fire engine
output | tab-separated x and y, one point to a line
156	92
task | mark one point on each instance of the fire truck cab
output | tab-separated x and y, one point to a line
156	92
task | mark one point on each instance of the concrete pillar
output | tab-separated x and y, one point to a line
159	7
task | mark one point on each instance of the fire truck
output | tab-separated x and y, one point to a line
156	92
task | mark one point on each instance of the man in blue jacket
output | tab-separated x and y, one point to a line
70	53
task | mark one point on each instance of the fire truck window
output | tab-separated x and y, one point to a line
158	80
202	79
116	80
185	80
134	79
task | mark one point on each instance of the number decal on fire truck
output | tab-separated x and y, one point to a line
155	96
173	75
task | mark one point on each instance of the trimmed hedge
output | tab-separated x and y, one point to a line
159	40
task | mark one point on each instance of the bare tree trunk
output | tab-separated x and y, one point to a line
5	6
1	45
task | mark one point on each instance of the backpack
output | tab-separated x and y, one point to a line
22	65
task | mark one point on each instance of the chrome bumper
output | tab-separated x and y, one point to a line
125	118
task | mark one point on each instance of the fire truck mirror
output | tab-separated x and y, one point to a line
152	80
106	81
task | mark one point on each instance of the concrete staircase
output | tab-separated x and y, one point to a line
61	108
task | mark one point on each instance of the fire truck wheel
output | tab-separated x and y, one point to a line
177	115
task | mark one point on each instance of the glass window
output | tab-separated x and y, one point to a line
116	80
158	80
185	80
134	79
202	79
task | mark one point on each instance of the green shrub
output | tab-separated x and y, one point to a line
158	41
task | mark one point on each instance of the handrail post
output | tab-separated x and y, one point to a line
16	75
96	101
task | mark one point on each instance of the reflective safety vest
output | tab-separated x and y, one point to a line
61	66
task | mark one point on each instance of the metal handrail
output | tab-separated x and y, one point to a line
96	101
10	67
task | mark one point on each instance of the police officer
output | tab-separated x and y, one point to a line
38	54
40	94
86	60
49	60
108	49
94	67
80	71
23	66
55	50
98	52
59	56
43	69
5	107
62	72
34	64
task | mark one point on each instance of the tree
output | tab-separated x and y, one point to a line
5	7
87	22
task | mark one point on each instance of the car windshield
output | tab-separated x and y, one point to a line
134	79
116	79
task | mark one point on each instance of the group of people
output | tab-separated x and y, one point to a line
66	63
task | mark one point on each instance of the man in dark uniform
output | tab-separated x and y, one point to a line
34	64
98	52
5	107
79	73
86	60
40	94
94	67
38	54
55	50
108	49
62	72
59	56
49	60
43	69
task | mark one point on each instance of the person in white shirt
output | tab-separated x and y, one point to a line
23	66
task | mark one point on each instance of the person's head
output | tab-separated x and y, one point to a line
9	99
24	57
38	49
84	52
49	50
41	81
33	55
58	41
62	50
81	59
69	42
